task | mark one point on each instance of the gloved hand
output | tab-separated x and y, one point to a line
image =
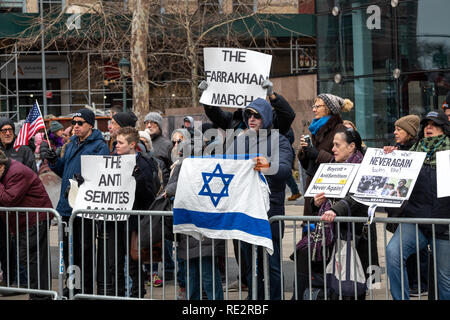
267	84
261	164
78	178
203	85
51	156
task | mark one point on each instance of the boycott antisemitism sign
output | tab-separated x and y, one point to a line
234	76
334	179
108	185
386	179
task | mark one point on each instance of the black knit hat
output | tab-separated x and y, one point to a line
86	114
125	119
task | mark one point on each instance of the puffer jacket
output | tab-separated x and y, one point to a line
21	187
70	163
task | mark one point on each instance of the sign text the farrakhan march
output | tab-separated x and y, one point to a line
334	179
234	76
108	185
386	179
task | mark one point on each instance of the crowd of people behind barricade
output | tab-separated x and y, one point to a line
158	164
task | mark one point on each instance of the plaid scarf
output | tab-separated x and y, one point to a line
431	145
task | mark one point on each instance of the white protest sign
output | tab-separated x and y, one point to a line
234	76
334	179
386	179
108	185
443	173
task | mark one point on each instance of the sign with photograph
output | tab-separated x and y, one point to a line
386	179
108	185
443	173
234	76
334	179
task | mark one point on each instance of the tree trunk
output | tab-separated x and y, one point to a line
138	57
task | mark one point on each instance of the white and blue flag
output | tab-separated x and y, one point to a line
222	199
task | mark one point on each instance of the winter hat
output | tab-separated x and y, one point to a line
3	158
4	121
446	104
437	117
409	123
125	119
86	114
154	117
189	119
55	126
336	104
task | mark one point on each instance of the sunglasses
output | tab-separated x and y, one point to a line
79	122
177	141
249	114
6	130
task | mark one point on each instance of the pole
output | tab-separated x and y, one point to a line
44	84
124	94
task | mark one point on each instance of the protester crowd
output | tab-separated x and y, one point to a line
158	163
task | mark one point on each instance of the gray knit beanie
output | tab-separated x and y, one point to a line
336	104
154	117
55	126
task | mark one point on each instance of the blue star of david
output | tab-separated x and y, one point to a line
206	190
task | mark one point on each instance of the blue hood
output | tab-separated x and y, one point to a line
264	109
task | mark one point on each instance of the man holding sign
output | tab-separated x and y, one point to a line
234	78
85	141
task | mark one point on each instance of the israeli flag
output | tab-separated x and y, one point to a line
222	199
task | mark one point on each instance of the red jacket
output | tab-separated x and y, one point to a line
21	187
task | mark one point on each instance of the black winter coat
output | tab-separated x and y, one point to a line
283	116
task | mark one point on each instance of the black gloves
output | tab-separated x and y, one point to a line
51	156
79	179
311	152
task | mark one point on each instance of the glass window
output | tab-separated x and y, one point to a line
11	5
423	35
354	43
375	106
325	6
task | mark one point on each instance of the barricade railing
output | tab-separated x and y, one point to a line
97	272
375	271
25	252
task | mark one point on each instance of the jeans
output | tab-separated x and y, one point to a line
274	270
207	279
292	184
409	247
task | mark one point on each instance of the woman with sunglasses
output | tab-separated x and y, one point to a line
326	122
347	148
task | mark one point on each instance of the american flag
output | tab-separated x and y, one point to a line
32	124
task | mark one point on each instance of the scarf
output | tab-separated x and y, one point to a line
356	157
316	124
431	145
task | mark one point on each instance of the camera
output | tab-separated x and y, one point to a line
307	140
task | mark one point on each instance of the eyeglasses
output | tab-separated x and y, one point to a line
177	141
79	122
249	114
317	106
7	130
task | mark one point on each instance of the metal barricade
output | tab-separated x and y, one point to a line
98	272
25	252
374	273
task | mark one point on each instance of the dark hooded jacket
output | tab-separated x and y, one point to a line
70	163
23	155
283	116
282	149
21	187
